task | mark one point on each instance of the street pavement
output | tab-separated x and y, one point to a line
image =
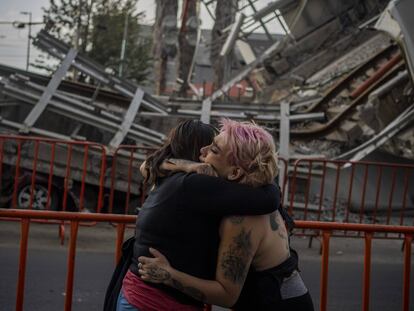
47	260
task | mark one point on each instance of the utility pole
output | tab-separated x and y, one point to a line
28	37
78	36
123	47
284	141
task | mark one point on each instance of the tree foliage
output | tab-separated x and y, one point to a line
96	28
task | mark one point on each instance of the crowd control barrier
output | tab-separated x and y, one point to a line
128	157
328	230
47	174
352	192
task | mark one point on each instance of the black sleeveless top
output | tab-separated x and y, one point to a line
263	289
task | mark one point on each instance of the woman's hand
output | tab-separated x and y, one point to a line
154	270
188	167
206	169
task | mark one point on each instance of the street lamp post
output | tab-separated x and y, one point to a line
28	37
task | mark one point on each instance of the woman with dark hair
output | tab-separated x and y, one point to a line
181	216
183	140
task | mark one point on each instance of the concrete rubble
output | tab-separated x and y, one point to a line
337	55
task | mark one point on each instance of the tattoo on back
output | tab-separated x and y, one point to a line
283	236
275	224
273	221
234	261
282	233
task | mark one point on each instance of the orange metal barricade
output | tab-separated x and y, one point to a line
49	174
126	160
74	218
72	175
352	192
328	230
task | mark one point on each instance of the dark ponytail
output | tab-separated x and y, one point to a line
183	142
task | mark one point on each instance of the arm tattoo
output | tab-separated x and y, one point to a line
180	162
158	274
273	221
191	291
234	261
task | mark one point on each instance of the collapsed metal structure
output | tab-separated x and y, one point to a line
121	122
340	58
83	110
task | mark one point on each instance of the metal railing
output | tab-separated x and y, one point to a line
50	174
33	169
327	228
352	192
132	157
74	219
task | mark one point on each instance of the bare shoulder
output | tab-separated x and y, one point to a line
233	223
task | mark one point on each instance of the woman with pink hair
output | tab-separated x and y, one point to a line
181	217
256	268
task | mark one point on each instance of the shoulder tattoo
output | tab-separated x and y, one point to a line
282	233
273	221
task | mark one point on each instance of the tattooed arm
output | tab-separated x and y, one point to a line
188	167
238	245
180	165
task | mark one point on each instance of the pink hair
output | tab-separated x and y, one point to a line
251	148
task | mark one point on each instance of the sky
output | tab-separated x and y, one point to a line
13	42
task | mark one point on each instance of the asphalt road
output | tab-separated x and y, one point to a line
46	270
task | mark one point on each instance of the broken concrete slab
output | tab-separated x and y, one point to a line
337	136
333	111
352	130
280	66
